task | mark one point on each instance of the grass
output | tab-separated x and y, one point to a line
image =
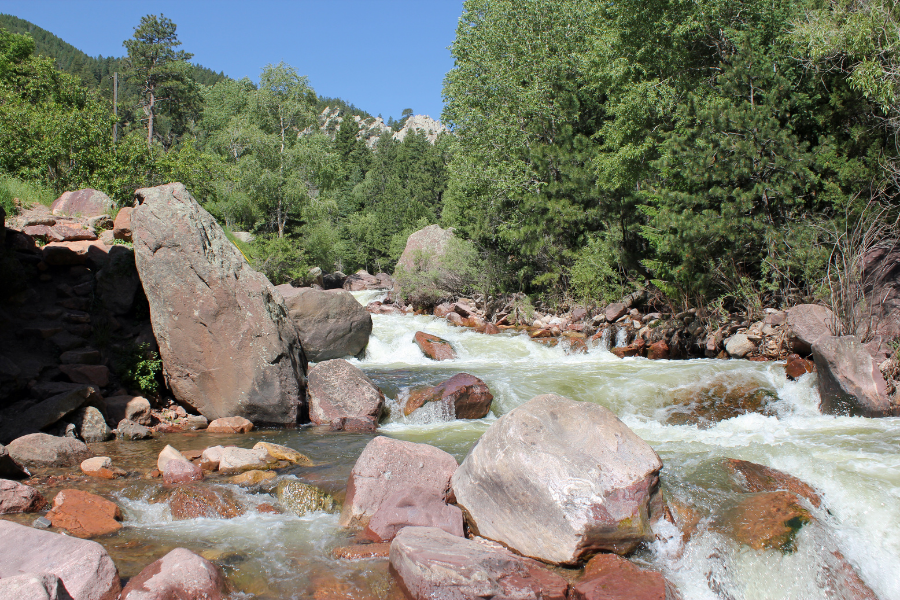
27	193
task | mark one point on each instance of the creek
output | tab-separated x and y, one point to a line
854	463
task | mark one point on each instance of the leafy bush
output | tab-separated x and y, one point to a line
139	368
460	271
597	272
281	259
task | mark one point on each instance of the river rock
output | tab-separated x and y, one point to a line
49	411
432	563
301	498
181	471
463	395
101	467
387	465
129	430
279	452
226	341
416	506
192	502
434	347
133	408
166	454
91	425
425	249
122	224
739	346
43	450
849	380
179	574
33	586
615	311
805	324
358	551
338	390
611	577
796	367
758	478
764	520
83	514
250	478
18	498
211	456
230	425
588	479
9	468
234	460
723	397
85	568
82	203
331	324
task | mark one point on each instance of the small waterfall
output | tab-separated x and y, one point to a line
621	337
606	338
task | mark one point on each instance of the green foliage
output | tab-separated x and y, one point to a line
26	192
458	272
139	368
597	272
281	259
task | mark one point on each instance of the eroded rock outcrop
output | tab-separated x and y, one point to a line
849	380
587	477
331	324
227	343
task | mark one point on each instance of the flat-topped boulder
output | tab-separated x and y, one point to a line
339	390
587	477
83	203
463	395
83	514
331	324
387	465
84	567
432	563
230	425
227	343
849	380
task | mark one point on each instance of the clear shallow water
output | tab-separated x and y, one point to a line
854	463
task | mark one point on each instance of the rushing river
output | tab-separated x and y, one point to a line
853	462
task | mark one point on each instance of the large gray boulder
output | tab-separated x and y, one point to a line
44	450
225	338
425	248
849	380
331	324
805	324
432	563
559	480
84	567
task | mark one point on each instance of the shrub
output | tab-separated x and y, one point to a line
281	259
458	272
139	368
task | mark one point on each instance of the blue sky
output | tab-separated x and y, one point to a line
381	55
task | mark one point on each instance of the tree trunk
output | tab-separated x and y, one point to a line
150	109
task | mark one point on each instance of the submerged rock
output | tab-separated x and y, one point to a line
178	574
758	478
331	324
226	341
279	452
586	476
611	577
849	380
726	396
387	465
765	520
193	501
464	395
181	471
84	567
301	498
432	563
338	390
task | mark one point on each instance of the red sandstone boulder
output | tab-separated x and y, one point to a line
757	478
416	506
360	281
122	224
464	395
764	520
611	577
82	203
33	586
84	567
66	233
387	465
18	498
442	310
338	390
434	347
796	367
226	340
180	574
431	562
491	329
181	471
849	380
658	350
133	408
230	425
84	515
587	477
167	455
615	311
806	323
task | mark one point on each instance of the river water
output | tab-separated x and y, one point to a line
854	463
